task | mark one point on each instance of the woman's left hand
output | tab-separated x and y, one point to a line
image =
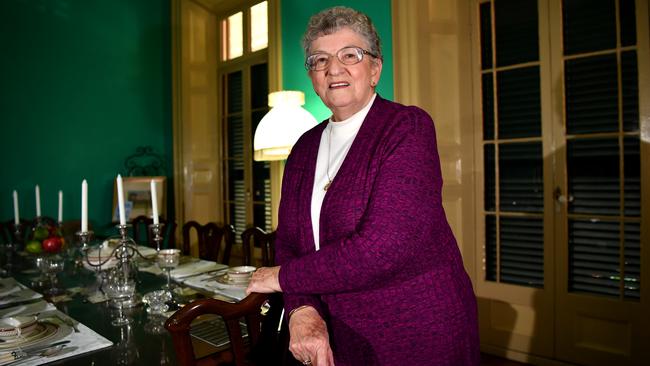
265	280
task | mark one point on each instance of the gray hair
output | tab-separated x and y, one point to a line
336	18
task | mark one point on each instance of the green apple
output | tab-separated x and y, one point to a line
41	233
34	247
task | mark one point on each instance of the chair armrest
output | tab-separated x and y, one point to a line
249	308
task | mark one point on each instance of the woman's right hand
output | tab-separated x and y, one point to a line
309	338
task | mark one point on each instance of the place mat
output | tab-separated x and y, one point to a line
82	340
13	292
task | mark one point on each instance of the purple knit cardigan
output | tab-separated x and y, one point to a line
388	279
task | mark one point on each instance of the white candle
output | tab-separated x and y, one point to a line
84	206
38	201
154	202
120	200
60	206
16	212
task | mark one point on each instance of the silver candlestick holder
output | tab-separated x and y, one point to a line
84	239
124	255
10	248
156	229
81	255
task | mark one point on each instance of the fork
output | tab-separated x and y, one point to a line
22	356
18	356
215	274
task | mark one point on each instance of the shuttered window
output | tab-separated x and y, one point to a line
599	140
512	143
602	147
244	86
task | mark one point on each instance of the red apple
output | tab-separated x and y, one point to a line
52	245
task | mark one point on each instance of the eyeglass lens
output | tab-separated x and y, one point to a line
347	56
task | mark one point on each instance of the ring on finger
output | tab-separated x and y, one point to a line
306	362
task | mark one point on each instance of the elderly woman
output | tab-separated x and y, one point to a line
369	267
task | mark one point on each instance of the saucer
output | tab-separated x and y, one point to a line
227	280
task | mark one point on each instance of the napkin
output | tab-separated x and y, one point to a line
8	286
11	291
27	309
146	251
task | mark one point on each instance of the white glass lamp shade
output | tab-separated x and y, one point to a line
281	127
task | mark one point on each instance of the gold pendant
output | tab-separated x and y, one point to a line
327	186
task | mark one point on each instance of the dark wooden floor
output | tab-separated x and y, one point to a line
490	360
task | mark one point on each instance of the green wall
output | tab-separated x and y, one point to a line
294	16
84	82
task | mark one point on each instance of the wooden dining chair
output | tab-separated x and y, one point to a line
143	234
276	339
8	231
238	352
256	237
210	238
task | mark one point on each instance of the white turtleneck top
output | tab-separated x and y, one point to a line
334	145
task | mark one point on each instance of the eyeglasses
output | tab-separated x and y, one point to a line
347	56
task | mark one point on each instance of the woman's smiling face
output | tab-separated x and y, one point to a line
345	89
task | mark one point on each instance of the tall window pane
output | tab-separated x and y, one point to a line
603	147
522	251
521	178
232	36
259	26
594	265
591	86
519	103
517	37
512	142
589	25
594	182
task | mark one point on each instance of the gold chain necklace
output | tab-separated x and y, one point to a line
329	149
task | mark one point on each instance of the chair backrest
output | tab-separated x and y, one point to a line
256	237
49	221
210	236
249	308
8	231
143	233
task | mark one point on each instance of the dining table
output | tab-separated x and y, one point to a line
87	316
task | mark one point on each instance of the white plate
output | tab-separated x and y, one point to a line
44	332
12	326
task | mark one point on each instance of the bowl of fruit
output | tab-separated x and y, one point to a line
45	239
